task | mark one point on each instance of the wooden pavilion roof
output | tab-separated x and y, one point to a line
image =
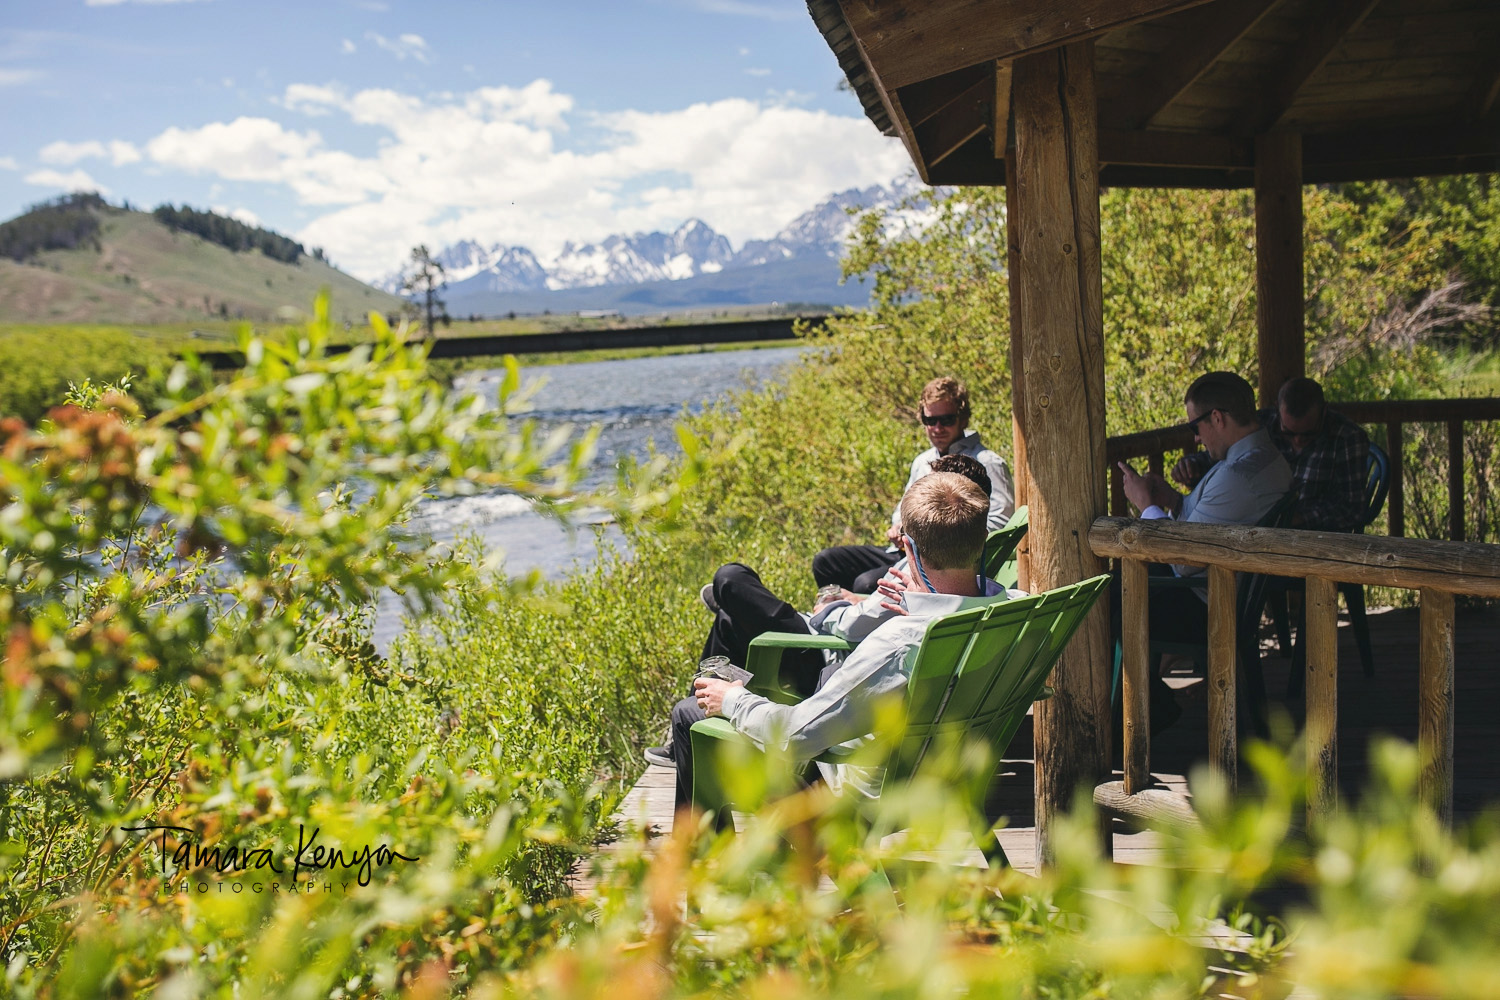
1377	88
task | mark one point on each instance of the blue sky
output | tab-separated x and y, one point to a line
366	126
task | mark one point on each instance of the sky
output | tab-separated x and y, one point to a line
366	127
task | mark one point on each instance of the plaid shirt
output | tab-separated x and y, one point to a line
1328	475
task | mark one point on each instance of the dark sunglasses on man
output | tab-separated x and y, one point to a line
940	420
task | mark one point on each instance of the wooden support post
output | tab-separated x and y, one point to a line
1435	714
1052	198
1278	260
1322	606
1135	673
1223	724
1456	480
1395	503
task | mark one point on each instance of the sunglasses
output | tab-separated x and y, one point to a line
1199	419
944	420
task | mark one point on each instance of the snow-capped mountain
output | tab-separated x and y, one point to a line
693	250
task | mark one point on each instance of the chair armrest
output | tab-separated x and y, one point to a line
764	661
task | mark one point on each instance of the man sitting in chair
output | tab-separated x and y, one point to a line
1248	477
1329	455
943	516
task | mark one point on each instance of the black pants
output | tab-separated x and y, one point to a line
853	567
1175	614
746	609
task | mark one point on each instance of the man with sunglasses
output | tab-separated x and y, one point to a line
1329	455
1248	477
944	411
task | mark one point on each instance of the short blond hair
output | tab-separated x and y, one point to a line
945	515
949	389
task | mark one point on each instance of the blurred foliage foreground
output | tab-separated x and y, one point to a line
186	623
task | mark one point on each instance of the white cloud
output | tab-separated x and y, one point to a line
16	77
347	47
65	154
489	164
406	46
75	180
758	71
9	163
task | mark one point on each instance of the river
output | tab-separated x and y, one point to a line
633	401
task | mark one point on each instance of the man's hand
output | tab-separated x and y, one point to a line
844	595
710	693
1144	491
893	587
893	534
1188	470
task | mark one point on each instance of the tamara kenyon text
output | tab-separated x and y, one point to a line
190	855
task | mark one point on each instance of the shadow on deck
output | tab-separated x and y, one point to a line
1367	707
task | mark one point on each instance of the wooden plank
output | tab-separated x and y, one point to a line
928	98
1318	40
1207	32
1395	500
894	109
1223	725
1058	396
1378	145
1135	673
1149	805
1322	606
905	41
1453	567
1435	711
1456	480
1278	261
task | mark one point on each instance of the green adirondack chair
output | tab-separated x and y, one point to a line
1000	548
974	675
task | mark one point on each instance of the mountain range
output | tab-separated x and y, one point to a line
690	267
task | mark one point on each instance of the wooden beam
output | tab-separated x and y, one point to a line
893	108
1367	146
1208	32
1058	397
1001	109
1456	480
1319	39
1278	261
1151	806
1435	711
966	115
905	41
1485	94
1322	608
1374	560
1175	149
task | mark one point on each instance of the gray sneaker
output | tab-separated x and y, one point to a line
706	595
661	756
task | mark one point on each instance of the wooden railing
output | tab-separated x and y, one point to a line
1392	414
1438	570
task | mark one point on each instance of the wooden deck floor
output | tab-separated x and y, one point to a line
1385	703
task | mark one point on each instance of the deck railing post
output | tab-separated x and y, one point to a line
1135	679
1435	712
1223	735
1322	600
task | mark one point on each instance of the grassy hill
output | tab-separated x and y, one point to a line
140	271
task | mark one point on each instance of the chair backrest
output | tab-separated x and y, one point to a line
1377	485
977	671
1250	594
1002	542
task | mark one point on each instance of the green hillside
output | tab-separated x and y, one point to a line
136	270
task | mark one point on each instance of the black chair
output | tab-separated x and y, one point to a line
1250	599
1377	485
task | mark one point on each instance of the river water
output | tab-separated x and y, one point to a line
634	402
